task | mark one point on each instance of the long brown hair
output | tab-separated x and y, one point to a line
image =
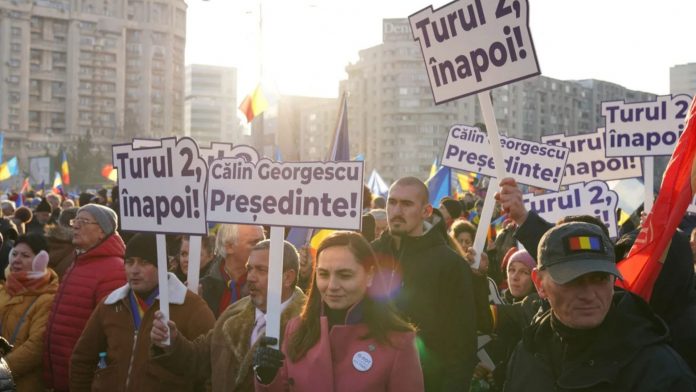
380	316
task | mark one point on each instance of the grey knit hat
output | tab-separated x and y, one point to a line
105	217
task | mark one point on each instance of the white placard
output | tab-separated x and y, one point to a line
227	150
467	148
40	170
592	198
587	160
644	128
161	189
471	46
296	194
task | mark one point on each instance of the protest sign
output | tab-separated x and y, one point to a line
587	160
468	148
227	150
591	198
644	128
300	194
290	194
471	46
161	189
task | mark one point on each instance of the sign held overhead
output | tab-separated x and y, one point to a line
471	46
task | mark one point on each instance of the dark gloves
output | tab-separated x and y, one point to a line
5	347
267	360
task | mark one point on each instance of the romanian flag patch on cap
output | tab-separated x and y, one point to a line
584	244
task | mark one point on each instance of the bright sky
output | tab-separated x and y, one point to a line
308	43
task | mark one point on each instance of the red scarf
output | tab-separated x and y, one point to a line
19	283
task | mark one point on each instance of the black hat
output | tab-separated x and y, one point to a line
573	249
44	206
143	245
454	209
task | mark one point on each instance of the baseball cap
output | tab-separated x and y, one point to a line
573	249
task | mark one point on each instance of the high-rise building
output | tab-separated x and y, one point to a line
210	106
279	132
682	79
393	119
317	128
111	69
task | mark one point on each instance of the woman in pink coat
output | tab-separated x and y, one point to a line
344	340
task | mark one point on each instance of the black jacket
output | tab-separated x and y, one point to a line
627	352
213	286
674	294
434	293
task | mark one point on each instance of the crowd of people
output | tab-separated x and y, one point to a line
405	304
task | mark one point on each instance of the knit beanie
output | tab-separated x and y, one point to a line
105	217
454	209
143	245
44	206
523	257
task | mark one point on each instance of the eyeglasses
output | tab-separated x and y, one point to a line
80	222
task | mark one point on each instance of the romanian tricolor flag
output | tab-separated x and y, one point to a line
644	262
581	243
57	184
254	104
64	169
109	172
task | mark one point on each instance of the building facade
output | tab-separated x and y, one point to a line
111	69
682	79
210	104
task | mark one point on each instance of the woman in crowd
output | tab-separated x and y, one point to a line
25	302
345	339
207	254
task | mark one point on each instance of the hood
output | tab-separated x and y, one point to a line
58	233
112	246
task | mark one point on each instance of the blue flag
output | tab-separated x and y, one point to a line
439	185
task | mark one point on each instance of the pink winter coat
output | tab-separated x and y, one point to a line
93	275
343	361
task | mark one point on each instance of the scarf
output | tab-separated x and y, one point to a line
25	282
139	305
234	289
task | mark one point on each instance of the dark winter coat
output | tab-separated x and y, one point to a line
432	288
674	294
627	352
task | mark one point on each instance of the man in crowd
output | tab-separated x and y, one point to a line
40	217
591	338
226	282
120	327
96	272
435	290
225	354
54	200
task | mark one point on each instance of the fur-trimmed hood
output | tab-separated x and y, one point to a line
177	292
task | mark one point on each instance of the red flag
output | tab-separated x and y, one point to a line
644	262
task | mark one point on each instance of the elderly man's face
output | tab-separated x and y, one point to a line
582	303
247	237
86	231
